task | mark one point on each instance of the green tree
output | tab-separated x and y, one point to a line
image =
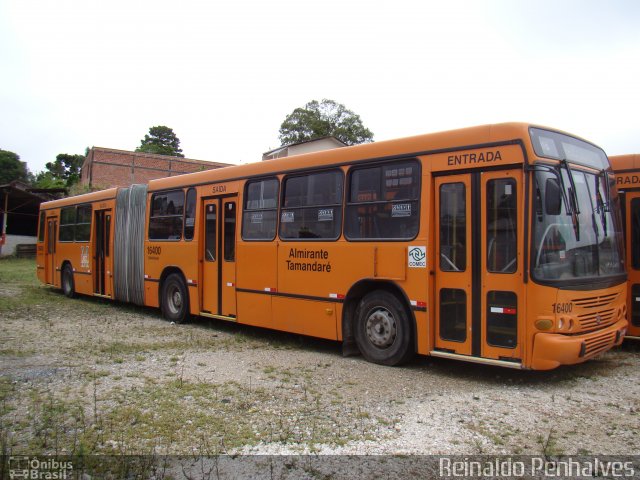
322	119
64	172
162	141
46	179
11	168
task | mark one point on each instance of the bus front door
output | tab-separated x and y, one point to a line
102	254
50	250
219	258
478	285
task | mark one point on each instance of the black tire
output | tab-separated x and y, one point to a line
383	329
175	299
68	284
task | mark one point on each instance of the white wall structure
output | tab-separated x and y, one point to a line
325	143
9	248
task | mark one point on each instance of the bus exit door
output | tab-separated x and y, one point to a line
102	263
218	257
478	286
50	250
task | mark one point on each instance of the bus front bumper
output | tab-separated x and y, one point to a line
550	350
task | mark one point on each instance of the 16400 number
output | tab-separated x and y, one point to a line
564	307
154	250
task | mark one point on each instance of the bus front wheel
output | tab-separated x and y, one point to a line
68	285
175	299
383	329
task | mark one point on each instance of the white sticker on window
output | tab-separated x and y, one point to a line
325	215
287	217
401	210
256	217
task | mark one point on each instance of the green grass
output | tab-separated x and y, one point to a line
22	293
18	271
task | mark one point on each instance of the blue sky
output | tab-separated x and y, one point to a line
224	75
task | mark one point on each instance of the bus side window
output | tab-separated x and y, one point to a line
166	216
41	227
67	224
83	223
312	206
383	202
190	214
259	217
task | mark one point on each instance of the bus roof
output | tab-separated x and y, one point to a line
625	162
416	145
389	148
84	198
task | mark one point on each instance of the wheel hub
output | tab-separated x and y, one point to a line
381	328
175	300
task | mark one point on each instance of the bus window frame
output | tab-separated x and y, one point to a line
73	224
184	220
247	183
340	205
347	202
89	223
41	226
151	217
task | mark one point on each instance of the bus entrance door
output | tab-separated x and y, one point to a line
50	250
478	265
102	266
219	258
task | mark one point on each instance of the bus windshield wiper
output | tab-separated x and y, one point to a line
575	208
603	206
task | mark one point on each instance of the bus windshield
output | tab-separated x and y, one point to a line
577	234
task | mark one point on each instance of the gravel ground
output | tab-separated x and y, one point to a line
91	376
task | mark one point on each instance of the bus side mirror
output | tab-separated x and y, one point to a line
552	197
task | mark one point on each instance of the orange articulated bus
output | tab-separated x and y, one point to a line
627	171
498	244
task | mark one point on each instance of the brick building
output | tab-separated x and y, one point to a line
106	167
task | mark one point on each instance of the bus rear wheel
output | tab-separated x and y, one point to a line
175	299
383	329
68	285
